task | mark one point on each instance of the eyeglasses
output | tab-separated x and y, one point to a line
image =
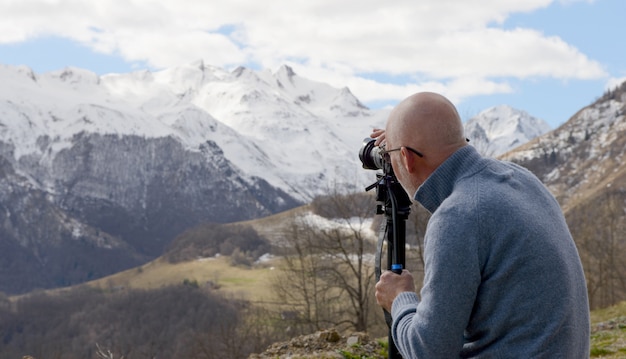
385	152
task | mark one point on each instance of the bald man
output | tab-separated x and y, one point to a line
503	278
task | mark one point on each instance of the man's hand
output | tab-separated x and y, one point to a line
392	284
379	135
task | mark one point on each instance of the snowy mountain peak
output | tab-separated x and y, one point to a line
499	129
20	70
286	71
74	75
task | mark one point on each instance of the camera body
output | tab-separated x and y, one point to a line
372	158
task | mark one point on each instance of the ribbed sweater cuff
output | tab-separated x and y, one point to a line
404	302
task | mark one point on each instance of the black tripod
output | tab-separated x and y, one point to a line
395	205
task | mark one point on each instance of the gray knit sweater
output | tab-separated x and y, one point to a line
503	278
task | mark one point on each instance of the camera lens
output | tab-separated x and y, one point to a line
370	155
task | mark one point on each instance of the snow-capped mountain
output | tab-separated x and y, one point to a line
499	129
124	162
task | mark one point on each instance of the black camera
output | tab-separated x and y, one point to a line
372	158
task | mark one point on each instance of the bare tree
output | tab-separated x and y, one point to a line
602	244
416	230
328	275
613	242
105	353
350	270
306	298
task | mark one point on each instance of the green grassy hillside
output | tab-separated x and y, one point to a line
253	284
608	332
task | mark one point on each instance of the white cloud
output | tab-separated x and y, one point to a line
453	46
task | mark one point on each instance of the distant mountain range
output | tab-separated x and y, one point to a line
100	173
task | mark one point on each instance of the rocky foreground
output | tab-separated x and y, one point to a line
327	344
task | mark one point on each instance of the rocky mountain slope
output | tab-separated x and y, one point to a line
584	155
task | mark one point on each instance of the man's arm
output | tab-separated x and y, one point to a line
433	327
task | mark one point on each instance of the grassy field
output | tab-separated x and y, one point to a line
608	334
253	284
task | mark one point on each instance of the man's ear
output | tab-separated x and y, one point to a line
408	159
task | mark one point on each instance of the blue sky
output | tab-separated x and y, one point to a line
594	29
549	58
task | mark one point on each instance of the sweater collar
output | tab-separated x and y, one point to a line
439	185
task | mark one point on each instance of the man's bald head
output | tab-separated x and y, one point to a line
427	122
